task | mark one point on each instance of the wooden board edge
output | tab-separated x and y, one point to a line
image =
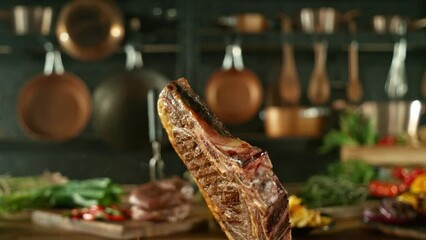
386	155
49	219
115	230
163	228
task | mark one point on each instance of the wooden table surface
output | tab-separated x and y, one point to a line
349	229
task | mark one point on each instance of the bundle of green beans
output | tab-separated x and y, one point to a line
10	184
71	194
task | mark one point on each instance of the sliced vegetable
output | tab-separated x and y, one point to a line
397	212
100	213
390	211
301	217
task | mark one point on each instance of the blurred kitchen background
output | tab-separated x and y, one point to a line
188	38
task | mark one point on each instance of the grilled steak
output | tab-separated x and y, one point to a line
235	178
171	214
162	194
162	200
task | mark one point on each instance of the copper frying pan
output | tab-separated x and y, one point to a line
234	93
55	105
90	30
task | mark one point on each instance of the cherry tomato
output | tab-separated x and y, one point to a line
385	189
98	212
413	174
116	218
400	173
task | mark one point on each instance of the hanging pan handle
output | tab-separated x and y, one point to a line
156	164
155	128
133	57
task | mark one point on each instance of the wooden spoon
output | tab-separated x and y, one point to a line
289	86
423	87
318	87
354	89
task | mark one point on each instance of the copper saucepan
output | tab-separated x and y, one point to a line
294	121
55	105
234	93
90	30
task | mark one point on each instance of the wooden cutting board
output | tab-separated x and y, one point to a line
409	156
119	230
415	232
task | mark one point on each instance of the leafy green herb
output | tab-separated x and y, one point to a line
344	183
355	129
355	171
75	193
322	191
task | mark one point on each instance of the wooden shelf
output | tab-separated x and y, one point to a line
368	41
386	155
160	41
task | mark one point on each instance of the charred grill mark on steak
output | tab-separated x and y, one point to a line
193	100
235	178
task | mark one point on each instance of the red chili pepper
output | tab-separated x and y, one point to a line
385	189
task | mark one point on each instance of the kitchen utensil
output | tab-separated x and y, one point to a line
418	23
29	19
321	20
423	86
380	24
289	84
120	104
90	30
234	93
396	82
156	163
354	89
318	86
324	19
55	105
392	117
251	22
294	121
413	122
388	23
245	22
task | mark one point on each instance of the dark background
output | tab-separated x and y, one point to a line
191	45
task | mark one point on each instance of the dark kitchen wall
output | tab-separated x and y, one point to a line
191	44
